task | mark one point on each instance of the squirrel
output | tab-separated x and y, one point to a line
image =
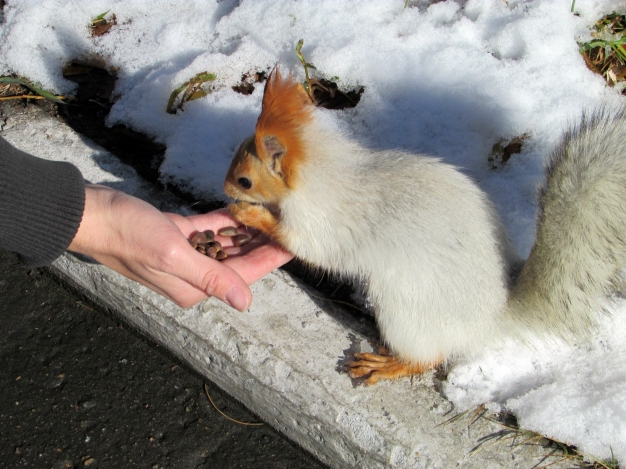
439	269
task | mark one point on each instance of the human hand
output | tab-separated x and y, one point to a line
135	239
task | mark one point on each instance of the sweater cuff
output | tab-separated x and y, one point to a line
41	205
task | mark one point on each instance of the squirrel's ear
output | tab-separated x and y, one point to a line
273	85
275	150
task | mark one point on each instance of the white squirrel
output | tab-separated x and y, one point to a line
446	282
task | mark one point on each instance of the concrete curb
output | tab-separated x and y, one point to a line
281	357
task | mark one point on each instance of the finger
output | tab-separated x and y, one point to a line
213	220
178	291
170	286
184	224
254	243
213	278
258	263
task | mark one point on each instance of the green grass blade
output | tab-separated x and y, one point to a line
101	15
32	87
173	95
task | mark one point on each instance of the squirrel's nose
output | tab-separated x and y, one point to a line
244	182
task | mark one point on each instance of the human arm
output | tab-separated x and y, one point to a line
45	207
41	205
140	242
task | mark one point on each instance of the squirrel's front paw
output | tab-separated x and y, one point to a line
255	216
238	210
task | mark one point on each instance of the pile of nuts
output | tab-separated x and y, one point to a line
204	241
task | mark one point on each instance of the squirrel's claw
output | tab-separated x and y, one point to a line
384	367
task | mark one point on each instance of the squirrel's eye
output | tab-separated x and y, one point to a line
245	183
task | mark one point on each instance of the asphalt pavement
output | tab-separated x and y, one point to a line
81	390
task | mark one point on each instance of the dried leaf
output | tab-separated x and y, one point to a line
606	52
100	25
502	151
200	93
248	81
619	73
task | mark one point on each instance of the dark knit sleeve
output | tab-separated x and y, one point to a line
41	205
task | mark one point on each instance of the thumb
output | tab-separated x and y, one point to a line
218	280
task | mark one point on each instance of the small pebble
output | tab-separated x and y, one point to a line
216	244
241	239
201	248
210	235
221	255
227	231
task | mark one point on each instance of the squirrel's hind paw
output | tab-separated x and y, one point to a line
384	367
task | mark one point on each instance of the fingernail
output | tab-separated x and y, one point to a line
236	298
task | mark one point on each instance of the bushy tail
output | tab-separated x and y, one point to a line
581	234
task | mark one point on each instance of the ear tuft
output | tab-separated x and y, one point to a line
286	115
291	93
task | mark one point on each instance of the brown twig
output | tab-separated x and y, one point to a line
250	424
26	96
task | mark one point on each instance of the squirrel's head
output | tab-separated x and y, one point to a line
266	165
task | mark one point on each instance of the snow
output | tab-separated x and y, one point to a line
450	78
571	393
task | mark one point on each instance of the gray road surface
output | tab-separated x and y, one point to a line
79	390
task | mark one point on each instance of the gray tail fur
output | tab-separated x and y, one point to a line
580	248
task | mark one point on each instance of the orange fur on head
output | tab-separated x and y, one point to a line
286	109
